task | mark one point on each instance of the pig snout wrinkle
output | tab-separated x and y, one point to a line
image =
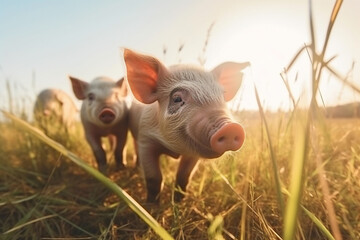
230	137
107	115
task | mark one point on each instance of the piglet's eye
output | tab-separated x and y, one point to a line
177	99
91	96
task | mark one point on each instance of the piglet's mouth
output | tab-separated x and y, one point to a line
107	115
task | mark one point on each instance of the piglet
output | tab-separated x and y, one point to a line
182	113
54	109
103	113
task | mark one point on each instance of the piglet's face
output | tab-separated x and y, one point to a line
192	108
102	100
193	117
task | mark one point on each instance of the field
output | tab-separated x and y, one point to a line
296	177
43	195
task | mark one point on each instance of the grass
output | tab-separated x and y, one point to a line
45	195
297	177
139	210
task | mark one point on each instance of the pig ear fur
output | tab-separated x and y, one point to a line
79	87
143	73
121	84
230	78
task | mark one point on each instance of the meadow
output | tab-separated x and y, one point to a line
44	195
296	177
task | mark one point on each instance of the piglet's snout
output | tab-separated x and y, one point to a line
230	137
107	115
47	112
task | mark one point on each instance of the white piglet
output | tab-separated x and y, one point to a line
103	113
54	109
183	113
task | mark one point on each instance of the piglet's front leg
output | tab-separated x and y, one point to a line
120	144
150	164
186	167
99	153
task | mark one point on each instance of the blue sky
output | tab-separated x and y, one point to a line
43	41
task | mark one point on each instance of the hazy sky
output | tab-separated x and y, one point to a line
41	42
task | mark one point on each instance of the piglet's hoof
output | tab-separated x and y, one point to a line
103	169
178	196
120	166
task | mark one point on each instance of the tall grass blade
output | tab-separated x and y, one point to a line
243	228
315	220
71	223
334	14
14	202
318	223
136	207
301	147
312	34
296	181
343	79
286	82
295	58
272	154
336	10
316	79
28	223
323	183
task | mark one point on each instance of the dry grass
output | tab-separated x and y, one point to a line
297	177
44	195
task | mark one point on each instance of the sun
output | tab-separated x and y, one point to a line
268	43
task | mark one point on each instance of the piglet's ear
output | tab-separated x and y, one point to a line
121	84
79	87
230	78
143	73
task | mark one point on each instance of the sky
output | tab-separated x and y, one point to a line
42	42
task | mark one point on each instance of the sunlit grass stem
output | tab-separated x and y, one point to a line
296	180
301	147
272	154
